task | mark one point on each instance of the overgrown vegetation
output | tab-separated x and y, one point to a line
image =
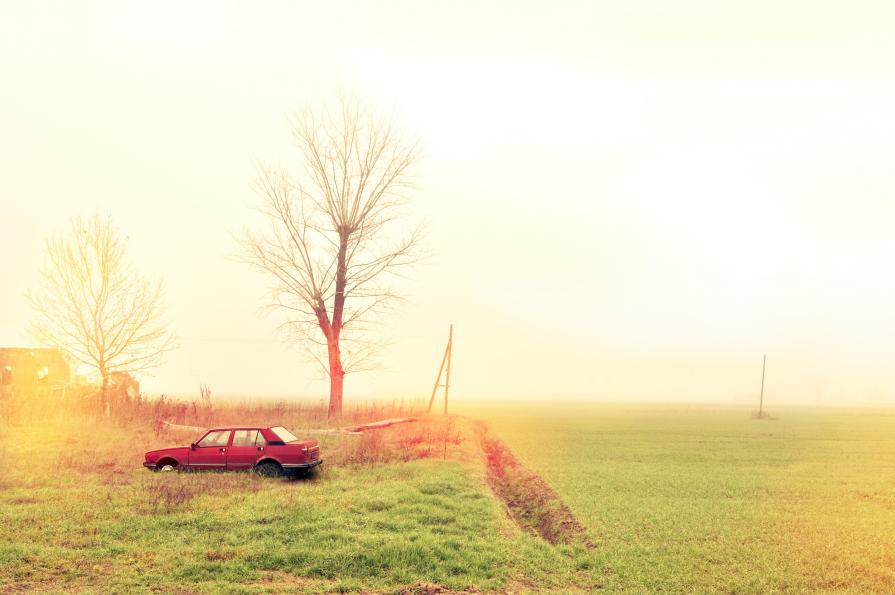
404	508
202	411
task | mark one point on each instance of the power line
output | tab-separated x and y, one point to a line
223	340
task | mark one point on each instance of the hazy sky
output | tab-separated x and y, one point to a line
627	200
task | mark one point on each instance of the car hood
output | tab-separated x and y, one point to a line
174	451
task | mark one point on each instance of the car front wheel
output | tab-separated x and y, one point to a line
166	468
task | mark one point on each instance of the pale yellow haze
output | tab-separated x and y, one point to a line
626	200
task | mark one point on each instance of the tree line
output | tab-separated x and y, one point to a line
335	236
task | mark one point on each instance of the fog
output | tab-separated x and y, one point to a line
624	202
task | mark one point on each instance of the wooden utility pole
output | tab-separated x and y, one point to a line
445	359
447	375
764	361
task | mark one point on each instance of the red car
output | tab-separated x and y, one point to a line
270	451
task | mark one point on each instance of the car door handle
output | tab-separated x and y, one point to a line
223	450
260	448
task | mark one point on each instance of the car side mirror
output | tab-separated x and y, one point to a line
193	446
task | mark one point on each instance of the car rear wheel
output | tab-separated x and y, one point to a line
268	469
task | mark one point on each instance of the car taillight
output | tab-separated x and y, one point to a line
313	452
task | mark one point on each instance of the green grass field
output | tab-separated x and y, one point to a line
696	498
674	499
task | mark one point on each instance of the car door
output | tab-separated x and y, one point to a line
210	451
246	448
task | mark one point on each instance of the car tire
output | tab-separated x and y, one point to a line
166	468
268	469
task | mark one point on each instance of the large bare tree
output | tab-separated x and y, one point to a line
91	304
336	234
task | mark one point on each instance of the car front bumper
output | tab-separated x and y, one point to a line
150	466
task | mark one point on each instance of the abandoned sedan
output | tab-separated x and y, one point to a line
270	451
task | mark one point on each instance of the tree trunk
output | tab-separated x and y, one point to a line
336	372
105	405
336	379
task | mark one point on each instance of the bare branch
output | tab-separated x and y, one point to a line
328	248
90	304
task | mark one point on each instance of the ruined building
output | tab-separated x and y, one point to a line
28	371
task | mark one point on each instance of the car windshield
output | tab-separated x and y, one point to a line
284	434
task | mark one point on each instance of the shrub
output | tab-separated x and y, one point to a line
169	494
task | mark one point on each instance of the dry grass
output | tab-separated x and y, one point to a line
428	438
71	434
296	415
4	457
165	495
169	492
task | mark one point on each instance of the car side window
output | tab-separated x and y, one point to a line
215	439
259	439
246	438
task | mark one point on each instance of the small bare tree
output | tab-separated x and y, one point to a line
336	234
91	304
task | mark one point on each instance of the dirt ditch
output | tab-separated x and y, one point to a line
529	500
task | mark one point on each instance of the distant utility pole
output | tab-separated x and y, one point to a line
447	378
764	361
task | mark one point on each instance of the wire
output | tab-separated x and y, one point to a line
222	340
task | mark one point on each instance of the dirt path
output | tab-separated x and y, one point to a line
532	504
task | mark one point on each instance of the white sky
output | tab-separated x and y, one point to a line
628	200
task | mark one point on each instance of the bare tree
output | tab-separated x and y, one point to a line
336	234
91	304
